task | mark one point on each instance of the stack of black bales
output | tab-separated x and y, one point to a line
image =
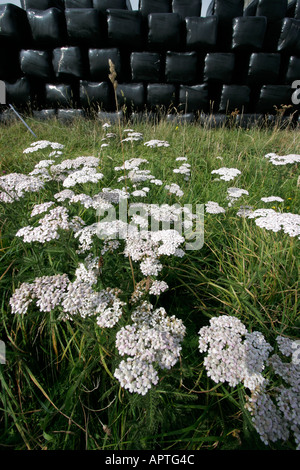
54	55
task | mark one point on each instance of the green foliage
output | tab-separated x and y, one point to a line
57	389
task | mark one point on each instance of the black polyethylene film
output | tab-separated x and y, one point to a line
84	27
78	3
181	67
48	28
164	30
250	10
249	33
187	8
234	98
96	95
219	67
201	33
68	63
193	98
99	62
124	28
155	6
161	95
229	9
145	66
272	9
58	95
264	69
36	63
131	96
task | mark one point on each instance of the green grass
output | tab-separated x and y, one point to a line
57	386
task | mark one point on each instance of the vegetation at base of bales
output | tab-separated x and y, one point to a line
58	389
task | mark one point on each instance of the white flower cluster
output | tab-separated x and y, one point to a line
147	247
133	136
184	169
154	337
276	414
279	160
14	186
42	144
234	355
132	164
174	188
40	208
214	208
48	228
276	221
48	291
272	199
235	193
157	143
226	174
64	195
85	175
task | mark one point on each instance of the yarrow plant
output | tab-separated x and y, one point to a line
152	339
238	357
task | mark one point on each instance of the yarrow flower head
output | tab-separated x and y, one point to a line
227	174
42	144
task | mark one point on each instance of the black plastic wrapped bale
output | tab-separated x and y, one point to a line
85	27
249	121
69	115
59	95
19	93
291	9
9	63
219	67
272	9
273	97
211	8
213	121
14	27
229	9
68	63
201	33
181	67
103	5
250	10
44	114
125	29
280	122
289	40
161	95
193	99
264	69
234	97
293	70
226	10
78	4
131	96
180	118
35	63
110	117
297	10
48	28
36	4
164	31
146	67
187	7
248	33
97	95
147	7
99	62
